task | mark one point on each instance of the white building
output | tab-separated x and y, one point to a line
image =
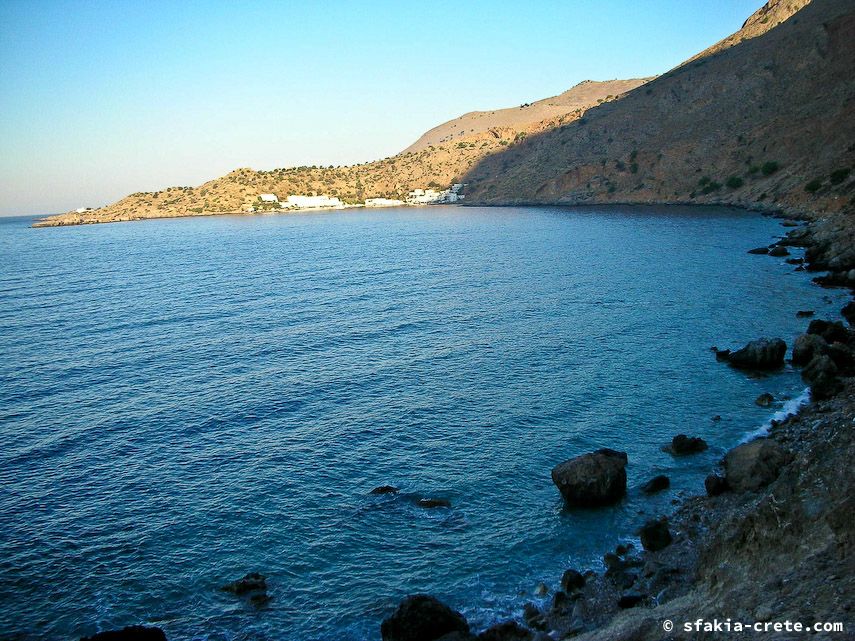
433	197
82	210
383	202
268	198
310	202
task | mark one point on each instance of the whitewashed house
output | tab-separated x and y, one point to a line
268	198
312	202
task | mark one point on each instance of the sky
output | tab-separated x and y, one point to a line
102	99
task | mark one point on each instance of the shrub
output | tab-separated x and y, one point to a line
633	155
620	166
753	169
734	182
711	187
634	167
704	181
813	186
839	175
770	167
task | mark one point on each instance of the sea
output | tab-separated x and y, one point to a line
184	401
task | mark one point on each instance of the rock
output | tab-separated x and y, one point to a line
821	374
507	631
804	313
655	535
130	633
561	601
384	489
656	484
541	589
572	581
260	599
421	617
849	312
721	355
716	418
681	445
778	251
533	617
754	465
842	355
789	223
763	353
630	600
806	347
591	480
252	582
457	636
715	485
764	400
759	250
832	332
432	503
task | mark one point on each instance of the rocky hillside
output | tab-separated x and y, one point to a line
525	117
767	120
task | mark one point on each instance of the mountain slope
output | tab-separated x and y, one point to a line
584	95
768	120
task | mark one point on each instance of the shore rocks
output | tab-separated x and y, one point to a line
252	582
821	375
630	600
592	480
763	353
421	617
764	400
682	445
715	485
656	484
507	631
752	466
849	312
806	347
759	250
384	489
778	251
804	313
832	332
655	535
572	581
433	503
130	633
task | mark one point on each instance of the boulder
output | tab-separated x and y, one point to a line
421	617
384	489
752	466
842	355
681	445
821	374
778	251
715	485
507	631
591	480
572	581
763	353
764	400
806	347
656	484
630	600
832	332
533	617
252	582
759	250
130	633
433	503
655	535
849	312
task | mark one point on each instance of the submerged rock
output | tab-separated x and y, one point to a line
682	445
591	480
655	535
252	582
656	484
763	353
804	313
384	489
433	503
130	633
764	400
421	617
752	466
759	250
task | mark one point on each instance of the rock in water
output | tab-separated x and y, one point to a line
821	374
421	617
681	445
763	353
385	489
571	581
656	484
759	250
806	347
754	465
764	400
507	631
591	480
655	535
252	582
432	503
715	485
778	251
131	633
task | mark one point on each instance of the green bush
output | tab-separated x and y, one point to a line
704	181
813	186
711	187
734	182
839	175
634	167
770	167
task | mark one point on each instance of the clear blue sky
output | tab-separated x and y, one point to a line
100	99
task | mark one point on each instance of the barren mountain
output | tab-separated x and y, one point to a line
769	120
584	95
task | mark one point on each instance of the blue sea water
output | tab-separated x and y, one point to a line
184	401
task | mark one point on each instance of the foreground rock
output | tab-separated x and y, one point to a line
763	353
130	633
821	375
682	445
806	347
421	617
656	484
754	465
655	535
592	480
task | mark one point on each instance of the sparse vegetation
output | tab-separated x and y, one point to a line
813	186
770	167
734	182
839	175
